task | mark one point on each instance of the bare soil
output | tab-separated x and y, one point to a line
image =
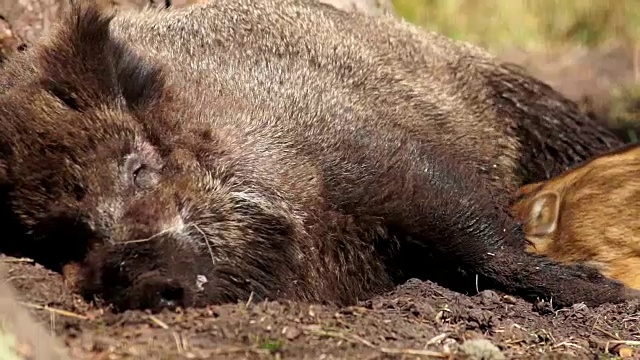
417	320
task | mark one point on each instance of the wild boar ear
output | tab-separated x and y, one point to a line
140	83
84	66
76	64
543	215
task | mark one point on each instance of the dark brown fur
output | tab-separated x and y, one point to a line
589	214
280	148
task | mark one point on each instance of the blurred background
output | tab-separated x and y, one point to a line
587	49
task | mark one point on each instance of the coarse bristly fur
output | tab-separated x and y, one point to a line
588	214
279	149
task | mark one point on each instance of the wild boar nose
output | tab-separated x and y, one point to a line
162	293
170	297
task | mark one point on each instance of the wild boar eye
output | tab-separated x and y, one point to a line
139	173
144	177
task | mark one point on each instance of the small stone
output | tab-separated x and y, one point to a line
489	295
481	349
292	333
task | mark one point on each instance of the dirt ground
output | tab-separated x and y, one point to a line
417	320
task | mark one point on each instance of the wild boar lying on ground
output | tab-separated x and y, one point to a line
279	148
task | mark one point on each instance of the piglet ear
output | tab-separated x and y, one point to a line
140	83
543	214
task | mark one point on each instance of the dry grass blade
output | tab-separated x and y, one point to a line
438	338
609	334
567	344
180	343
233	350
390	351
158	322
54	310
17	260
